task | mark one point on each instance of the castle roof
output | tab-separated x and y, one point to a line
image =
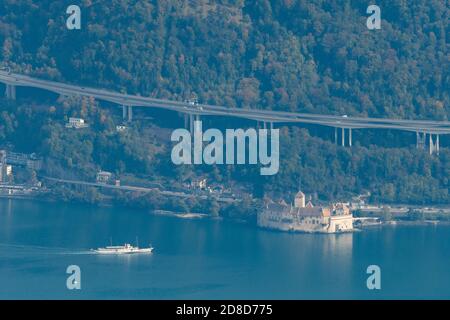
312	212
305	212
300	194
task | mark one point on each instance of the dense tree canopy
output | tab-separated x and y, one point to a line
315	56
311	56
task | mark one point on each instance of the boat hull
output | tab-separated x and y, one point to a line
123	251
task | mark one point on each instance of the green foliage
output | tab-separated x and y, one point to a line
404	175
77	152
297	55
311	56
416	215
386	215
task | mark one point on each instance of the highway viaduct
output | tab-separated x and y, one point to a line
193	111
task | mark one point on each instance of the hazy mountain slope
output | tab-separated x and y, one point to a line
307	55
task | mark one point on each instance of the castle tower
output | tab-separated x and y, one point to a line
299	200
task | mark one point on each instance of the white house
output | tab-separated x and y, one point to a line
104	177
76	123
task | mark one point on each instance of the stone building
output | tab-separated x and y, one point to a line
305	217
103	177
2	165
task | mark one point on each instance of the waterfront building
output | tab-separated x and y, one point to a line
103	177
305	217
30	161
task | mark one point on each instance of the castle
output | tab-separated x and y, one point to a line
305	217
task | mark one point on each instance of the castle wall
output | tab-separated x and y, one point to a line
285	221
341	223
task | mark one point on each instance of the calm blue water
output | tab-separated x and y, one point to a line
207	259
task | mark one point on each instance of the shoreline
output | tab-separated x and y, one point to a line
416	223
195	215
187	215
394	223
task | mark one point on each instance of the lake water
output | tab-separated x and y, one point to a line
209	259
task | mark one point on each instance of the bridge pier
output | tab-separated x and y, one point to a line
10	92
192	123
196	123
265	126
437	144
433	144
420	140
343	137
124	113
130	113
186	121
349	137
127	113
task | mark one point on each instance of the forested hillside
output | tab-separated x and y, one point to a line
314	56
306	55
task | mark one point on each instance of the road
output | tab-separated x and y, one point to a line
140	189
268	116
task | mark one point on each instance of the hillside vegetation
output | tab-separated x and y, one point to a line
300	55
314	56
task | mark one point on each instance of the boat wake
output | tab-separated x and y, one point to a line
45	250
